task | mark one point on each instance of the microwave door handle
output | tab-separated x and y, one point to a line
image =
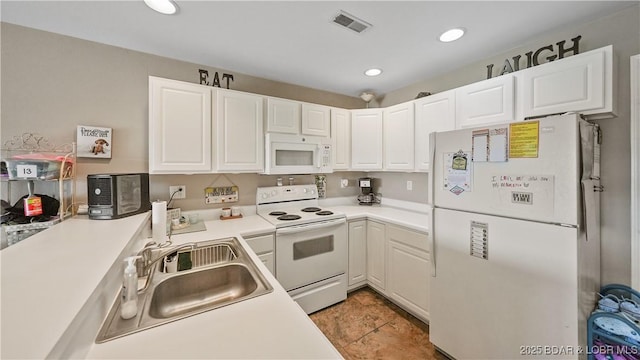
318	156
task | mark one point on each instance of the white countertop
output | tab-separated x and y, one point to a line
51	280
410	219
47	278
415	216
270	326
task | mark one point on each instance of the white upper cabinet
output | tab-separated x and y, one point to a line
486	102
341	138
433	113
283	116
366	139
398	137
581	83
179	127
294	117
316	120
239	132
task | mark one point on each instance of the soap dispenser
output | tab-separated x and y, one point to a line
129	299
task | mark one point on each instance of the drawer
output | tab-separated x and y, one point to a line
269	261
408	237
261	244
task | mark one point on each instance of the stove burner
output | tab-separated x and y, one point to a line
311	209
324	212
277	213
289	217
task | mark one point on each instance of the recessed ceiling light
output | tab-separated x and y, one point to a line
452	35
166	7
373	72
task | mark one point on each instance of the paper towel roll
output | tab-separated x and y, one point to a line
159	221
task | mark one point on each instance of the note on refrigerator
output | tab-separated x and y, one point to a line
480	145
524	139
498	145
457	172
489	145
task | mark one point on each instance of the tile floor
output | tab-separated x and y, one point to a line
368	326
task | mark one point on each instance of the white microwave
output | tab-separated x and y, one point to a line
297	154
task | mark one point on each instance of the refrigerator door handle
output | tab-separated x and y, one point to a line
432	164
430	192
431	243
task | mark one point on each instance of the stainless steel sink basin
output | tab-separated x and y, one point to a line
218	273
202	289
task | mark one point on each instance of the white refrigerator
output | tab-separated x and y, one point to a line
515	238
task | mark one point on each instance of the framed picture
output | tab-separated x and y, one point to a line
94	142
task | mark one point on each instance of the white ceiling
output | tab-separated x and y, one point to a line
297	42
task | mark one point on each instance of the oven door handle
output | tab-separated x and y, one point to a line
313	226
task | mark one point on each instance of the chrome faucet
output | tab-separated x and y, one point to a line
149	260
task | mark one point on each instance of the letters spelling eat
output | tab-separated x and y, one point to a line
204	78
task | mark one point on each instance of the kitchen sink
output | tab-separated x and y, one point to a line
210	275
202	289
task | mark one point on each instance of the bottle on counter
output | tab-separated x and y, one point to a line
129	298
32	203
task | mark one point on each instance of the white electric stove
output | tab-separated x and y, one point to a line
311	244
292	205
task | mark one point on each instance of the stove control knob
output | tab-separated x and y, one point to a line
274	193
265	195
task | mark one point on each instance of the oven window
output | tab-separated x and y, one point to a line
308	248
294	157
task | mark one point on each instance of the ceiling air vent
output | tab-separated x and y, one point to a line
351	22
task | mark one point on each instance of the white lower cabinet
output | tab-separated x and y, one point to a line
376	254
263	246
408	271
397	263
357	253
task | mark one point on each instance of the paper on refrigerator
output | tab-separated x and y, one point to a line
457	172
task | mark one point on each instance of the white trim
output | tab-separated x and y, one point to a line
635	171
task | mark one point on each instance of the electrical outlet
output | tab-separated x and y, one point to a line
344	183
409	185
181	192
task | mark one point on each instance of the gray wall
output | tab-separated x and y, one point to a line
622	30
393	185
52	83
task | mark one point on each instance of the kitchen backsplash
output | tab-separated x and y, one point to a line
247	186
389	185
393	185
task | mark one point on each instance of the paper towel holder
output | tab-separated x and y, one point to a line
160	232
